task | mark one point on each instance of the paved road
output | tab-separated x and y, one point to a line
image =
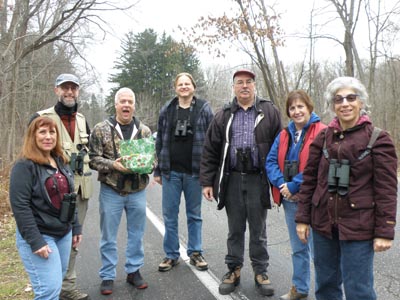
186	283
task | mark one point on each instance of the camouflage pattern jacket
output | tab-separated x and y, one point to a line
104	150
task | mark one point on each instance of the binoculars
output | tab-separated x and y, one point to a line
134	178
76	162
244	163
339	176
183	128
291	169
67	210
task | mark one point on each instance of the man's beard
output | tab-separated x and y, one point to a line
68	103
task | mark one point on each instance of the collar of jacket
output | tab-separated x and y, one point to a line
234	106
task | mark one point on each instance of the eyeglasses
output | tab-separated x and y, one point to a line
66	88
338	99
242	82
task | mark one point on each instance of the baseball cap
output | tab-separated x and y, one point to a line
244	71
62	78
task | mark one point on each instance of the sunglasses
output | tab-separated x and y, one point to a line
338	99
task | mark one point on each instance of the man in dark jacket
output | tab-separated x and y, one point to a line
231	171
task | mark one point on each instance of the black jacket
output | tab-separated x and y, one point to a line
214	167
33	211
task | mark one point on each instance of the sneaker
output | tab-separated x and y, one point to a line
294	295
73	295
106	287
197	260
263	284
136	280
230	281
167	264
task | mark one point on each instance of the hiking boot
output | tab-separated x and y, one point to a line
197	260
167	264
230	281
106	287
294	295
136	280
73	295
263	285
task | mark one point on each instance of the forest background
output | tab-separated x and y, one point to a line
40	39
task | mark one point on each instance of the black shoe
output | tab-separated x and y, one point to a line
106	287
263	284
136	280
229	282
167	264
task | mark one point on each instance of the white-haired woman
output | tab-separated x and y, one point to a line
348	196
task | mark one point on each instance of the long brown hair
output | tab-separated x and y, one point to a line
187	75
30	149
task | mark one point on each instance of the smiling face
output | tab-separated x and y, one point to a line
244	89
299	113
46	138
125	108
184	87
347	112
67	93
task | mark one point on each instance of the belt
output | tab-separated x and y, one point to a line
255	171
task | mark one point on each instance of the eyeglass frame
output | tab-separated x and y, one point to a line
242	82
339	99
67	87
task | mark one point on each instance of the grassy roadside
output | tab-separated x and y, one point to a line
14	280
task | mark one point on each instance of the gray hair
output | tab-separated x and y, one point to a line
124	90
349	83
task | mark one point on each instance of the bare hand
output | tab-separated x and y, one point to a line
158	179
303	232
285	191
118	166
43	252
381	244
76	240
208	193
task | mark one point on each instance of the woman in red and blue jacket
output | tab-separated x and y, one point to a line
284	165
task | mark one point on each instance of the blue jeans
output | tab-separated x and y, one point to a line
112	205
347	262
171	198
301	253
46	274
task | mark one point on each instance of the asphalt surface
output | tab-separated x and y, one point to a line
184	282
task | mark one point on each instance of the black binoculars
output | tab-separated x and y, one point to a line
291	169
76	162
244	163
134	179
339	176
67	210
183	128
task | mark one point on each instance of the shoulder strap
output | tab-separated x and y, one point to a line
374	136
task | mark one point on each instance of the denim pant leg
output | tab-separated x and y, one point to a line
236	213
257	218
135	206
46	274
111	208
192	192
327	263
301	253
358	270
171	199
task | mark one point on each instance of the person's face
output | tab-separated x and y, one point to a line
46	138
184	87
67	93
244	88
125	108
348	109
299	113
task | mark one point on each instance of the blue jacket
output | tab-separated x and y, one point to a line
274	170
203	118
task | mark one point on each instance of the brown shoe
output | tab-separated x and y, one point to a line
230	281
167	264
197	260
263	284
294	295
136	280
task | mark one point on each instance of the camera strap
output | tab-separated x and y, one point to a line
192	104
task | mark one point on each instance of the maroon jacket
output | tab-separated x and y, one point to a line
369	209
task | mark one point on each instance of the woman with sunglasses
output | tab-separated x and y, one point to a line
348	196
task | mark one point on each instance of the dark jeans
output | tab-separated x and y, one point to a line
243	203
